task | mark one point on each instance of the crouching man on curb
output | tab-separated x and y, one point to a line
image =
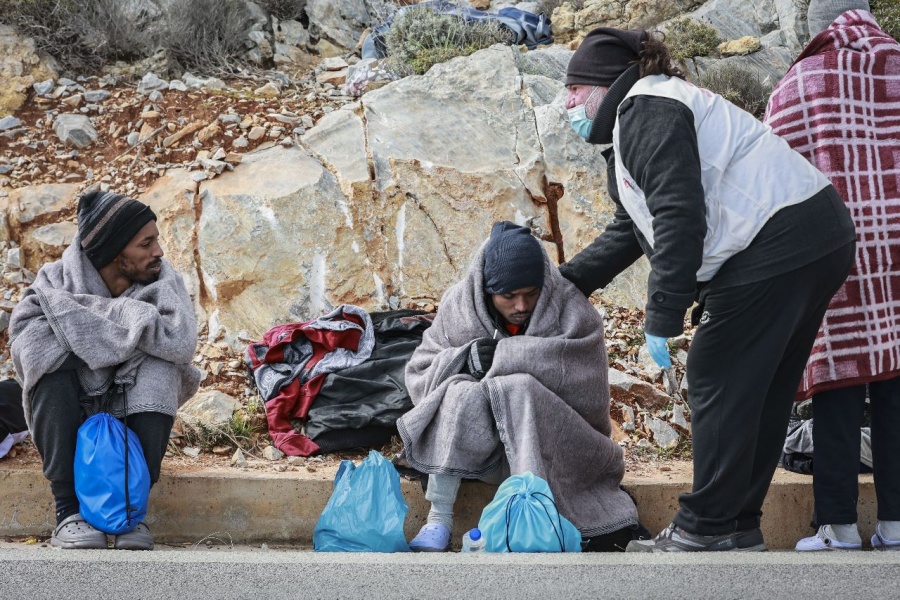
110	315
512	377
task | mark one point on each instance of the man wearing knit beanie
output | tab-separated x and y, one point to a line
821	13
503	334
122	338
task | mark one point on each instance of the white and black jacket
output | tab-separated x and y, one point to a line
710	195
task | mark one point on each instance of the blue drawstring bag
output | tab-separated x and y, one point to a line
366	510
523	517
112	481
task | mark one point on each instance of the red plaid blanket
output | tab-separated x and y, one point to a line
839	105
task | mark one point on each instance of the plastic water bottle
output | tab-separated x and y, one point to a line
473	541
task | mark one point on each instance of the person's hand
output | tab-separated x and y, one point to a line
481	356
659	350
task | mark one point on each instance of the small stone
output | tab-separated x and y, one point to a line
679	420
666	437
270	90
296	461
310	468
665	468
280	468
333	63
221	450
240	143
42	88
4	320
150	83
9	122
14	258
272	453
155	96
74	101
332	77
96	95
191	451
237	459
256	133
133	138
740	47
643	443
230	118
13	277
76	130
179	85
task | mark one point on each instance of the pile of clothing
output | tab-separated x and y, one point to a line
336	382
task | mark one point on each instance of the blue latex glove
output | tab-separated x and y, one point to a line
659	350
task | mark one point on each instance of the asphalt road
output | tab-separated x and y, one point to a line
38	572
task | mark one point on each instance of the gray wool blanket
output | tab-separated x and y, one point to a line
543	405
141	342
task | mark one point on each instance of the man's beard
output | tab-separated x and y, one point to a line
141	276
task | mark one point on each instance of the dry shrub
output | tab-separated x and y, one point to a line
687	38
887	13
740	86
206	36
82	35
285	10
419	38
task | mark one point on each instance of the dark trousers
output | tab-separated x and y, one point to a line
743	370
837	417
56	415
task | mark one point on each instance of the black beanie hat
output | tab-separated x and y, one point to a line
605	53
107	222
513	259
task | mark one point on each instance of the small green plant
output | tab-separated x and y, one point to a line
687	39
240	432
887	13
742	87
420	38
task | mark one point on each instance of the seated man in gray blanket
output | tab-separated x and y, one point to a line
110	321
512	377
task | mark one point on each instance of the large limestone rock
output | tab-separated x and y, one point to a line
339	22
173	198
780	26
31	208
572	20
277	243
21	65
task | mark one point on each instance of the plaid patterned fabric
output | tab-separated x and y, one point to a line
839	106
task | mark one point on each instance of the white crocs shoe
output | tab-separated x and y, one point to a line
825	540
433	537
881	543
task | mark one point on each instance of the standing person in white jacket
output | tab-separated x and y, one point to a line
733	219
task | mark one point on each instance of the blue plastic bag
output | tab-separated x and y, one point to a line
523	517
366	510
113	499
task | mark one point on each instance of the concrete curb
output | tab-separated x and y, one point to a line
280	508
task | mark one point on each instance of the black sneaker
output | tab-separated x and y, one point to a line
750	540
676	539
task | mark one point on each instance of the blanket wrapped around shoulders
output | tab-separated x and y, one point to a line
543	405
143	340
839	106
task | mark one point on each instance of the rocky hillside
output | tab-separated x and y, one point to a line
282	190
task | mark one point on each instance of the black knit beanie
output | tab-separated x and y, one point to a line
107	222
605	53
513	259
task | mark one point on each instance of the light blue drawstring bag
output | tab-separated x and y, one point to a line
112	481
523	517
366	510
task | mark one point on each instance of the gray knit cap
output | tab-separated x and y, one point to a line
821	13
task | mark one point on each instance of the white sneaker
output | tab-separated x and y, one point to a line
882	543
825	540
